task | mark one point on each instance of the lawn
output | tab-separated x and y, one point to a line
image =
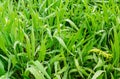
59	39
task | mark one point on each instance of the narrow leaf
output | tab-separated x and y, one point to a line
97	74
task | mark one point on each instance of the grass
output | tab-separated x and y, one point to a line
59	39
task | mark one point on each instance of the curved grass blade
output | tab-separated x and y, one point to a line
72	24
60	40
2	70
97	74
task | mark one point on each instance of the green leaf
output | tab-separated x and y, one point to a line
2	43
60	40
32	42
28	45
80	69
72	24
99	64
42	52
2	70
37	69
36	73
56	58
97	74
13	59
112	77
118	69
41	68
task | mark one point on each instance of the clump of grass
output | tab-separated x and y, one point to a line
55	39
